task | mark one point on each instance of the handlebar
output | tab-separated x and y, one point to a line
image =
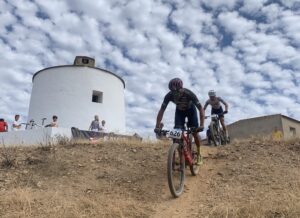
189	130
220	114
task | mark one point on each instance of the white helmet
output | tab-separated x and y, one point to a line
211	93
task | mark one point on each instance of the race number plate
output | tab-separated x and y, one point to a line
175	133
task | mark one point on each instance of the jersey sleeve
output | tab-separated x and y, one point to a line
193	98
221	100
166	101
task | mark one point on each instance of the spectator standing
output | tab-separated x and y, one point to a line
95	125
54	122
102	127
3	125
16	126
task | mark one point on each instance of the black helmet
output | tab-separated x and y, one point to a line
175	84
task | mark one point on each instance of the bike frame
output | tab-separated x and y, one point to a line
215	121
185	142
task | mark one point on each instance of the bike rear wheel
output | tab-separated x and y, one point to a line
194	168
215	135
175	170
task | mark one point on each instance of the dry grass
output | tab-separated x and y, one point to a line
121	178
257	178
118	178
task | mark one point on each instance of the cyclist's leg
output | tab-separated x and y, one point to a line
222	121
179	119
193	122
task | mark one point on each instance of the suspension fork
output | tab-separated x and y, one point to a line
180	152
186	149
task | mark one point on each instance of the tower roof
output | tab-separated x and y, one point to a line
75	66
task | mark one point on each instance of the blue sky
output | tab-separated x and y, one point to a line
248	51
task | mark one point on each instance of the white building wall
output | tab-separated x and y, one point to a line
40	136
66	91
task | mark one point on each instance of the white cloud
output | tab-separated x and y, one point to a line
290	22
215	4
254	64
256	80
235	24
252	6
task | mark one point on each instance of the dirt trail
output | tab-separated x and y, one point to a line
255	178
193	196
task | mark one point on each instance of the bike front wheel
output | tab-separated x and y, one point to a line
215	135
175	170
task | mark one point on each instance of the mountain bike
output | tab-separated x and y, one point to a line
181	153
216	133
32	124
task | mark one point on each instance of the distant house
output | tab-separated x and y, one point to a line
263	126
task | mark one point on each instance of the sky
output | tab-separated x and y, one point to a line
247	51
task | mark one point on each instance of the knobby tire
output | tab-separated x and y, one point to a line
172	169
194	168
214	134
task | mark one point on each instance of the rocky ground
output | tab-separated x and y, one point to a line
254	178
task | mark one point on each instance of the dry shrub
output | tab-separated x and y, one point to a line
9	157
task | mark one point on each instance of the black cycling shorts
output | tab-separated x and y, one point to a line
217	111
190	114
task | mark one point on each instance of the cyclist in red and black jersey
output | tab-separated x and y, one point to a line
186	103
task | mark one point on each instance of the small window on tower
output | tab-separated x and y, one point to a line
85	60
97	97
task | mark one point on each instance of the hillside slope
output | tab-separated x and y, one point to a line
128	179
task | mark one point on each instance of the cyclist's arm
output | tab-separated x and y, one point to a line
225	104
159	117
16	126
206	104
162	110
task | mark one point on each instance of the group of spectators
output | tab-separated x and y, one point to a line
16	125
96	126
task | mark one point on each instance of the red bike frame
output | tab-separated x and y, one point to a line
187	149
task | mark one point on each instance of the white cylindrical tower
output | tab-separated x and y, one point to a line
75	93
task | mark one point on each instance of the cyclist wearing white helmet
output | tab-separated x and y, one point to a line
216	107
186	104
